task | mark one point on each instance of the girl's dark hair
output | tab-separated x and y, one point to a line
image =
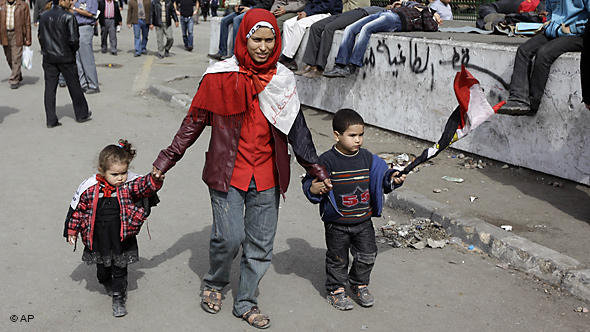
122	152
345	118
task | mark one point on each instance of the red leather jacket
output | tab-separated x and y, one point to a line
223	147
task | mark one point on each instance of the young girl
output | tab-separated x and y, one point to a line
107	211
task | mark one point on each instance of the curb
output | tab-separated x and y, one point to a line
175	97
524	255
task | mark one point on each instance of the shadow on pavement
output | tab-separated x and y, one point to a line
88	272
304	261
567	198
6	111
65	110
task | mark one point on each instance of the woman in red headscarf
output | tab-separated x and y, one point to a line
251	103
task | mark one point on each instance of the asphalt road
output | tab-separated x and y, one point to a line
441	290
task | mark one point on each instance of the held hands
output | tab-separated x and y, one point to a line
320	187
301	15
397	180
157	174
176	23
72	239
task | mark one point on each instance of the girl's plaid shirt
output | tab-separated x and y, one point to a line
132	216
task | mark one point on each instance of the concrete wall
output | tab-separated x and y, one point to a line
407	86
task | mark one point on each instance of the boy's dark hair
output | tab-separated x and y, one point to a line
122	152
345	118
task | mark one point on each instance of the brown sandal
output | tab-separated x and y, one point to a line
257	320
209	302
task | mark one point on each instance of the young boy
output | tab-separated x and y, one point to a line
359	180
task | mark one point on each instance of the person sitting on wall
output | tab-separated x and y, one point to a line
321	35
286	9
405	16
490	13
294	28
563	33
443	8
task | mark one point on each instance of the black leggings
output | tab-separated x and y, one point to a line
117	276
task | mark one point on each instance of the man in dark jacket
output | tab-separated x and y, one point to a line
235	18
162	15
185	9
109	19
59	40
404	16
294	28
15	31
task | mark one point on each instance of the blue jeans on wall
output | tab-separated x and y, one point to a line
186	25
351	52
234	19
140	43
246	219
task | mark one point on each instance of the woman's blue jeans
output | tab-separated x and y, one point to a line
141	28
246	219
353	52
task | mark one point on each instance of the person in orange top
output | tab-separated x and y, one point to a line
252	106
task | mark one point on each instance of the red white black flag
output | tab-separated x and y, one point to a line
472	111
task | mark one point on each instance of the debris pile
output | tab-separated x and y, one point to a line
418	234
397	161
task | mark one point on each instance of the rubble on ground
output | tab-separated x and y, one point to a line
418	234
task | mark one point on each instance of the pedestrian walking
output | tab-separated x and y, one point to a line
106	215
214	4
185	9
15	31
59	40
139	15
247	166
109	19
163	14
85	12
359	180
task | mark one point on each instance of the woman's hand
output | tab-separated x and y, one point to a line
157	174
72	239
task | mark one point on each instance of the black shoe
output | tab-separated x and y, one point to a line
160	56
86	118
337	71
166	53
103	51
288	62
216	56
144	52
57	124
114	53
352	69
119	309
108	288
190	49
516	108
136	54
14	86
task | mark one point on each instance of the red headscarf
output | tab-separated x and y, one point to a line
233	93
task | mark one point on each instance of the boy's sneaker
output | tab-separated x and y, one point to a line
362	296
339	300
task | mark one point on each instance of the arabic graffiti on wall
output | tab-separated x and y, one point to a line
419	60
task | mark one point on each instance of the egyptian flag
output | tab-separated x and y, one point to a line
472	111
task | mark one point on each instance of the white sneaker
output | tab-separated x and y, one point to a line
118	28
